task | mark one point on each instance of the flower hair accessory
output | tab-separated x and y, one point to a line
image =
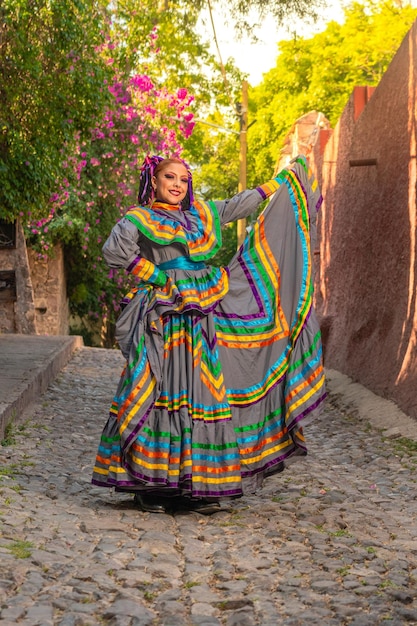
145	181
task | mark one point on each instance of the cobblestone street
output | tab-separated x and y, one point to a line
330	541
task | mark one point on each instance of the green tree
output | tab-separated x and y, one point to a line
219	136
319	73
51	84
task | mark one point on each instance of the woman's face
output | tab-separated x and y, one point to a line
171	183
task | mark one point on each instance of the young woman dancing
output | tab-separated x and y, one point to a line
223	365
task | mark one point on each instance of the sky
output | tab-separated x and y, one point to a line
256	59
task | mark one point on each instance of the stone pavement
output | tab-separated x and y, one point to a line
330	541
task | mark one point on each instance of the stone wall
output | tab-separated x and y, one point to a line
50	296
366	289
33	299
17	308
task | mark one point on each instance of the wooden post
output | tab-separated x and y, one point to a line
241	224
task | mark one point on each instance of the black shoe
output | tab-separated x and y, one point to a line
199	505
149	503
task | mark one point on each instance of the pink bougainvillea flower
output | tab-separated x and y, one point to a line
142	82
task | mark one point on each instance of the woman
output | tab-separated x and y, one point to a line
222	364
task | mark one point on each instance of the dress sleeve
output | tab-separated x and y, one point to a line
245	202
122	250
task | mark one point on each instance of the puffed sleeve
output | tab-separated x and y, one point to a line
122	250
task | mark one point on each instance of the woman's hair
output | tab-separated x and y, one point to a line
151	167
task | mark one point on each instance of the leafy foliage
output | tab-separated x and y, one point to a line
219	140
51	82
320	73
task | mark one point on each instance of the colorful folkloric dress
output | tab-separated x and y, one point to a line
223	365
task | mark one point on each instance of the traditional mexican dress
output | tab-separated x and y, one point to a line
223	365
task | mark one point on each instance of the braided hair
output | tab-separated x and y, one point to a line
151	166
